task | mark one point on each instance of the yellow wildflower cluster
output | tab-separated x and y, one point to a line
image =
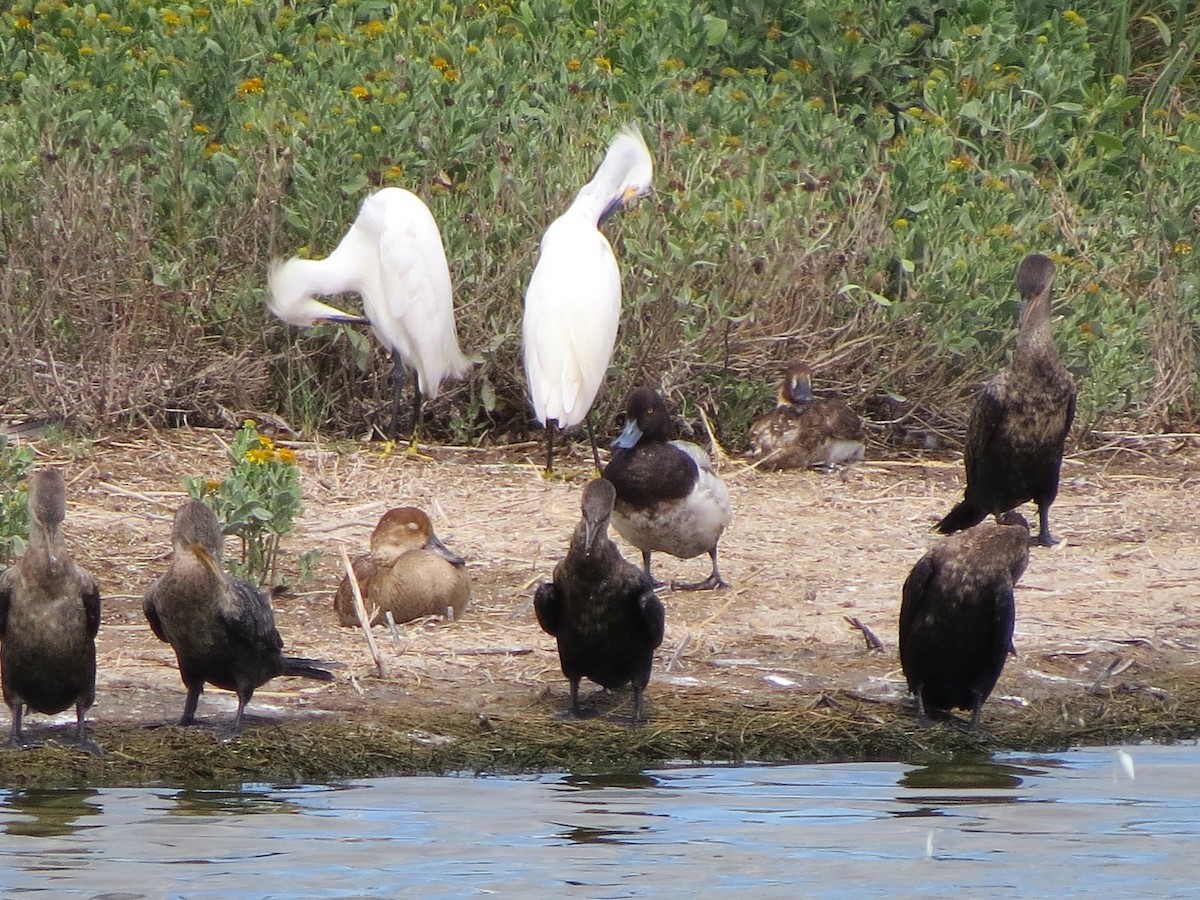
252	86
1182	248
1075	18
266	452
358	92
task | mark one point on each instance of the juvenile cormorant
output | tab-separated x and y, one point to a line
221	627
804	430
409	573
49	616
1020	421
957	615
601	609
669	498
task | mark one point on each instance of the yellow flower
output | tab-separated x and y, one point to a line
603	62
213	149
21	23
1092	288
901	223
852	36
731	140
738	95
816	103
394	172
1186	148
358	92
959	163
801	65
702	87
252	86
573	65
774	33
451	76
212	484
1182	248
730	72
440	63
170	18
1075	18
201	128
260	456
287	455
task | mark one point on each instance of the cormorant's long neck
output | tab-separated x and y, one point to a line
1035	337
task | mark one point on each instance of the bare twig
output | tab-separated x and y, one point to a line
363	619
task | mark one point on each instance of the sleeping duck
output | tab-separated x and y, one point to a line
668	496
409	573
804	430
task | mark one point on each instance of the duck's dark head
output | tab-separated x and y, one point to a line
645	416
597	506
796	387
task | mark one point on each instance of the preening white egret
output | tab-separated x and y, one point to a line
573	302
393	257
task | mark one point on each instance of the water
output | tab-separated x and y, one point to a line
1067	824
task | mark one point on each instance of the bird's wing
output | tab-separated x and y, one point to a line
1069	418
546	607
913	594
985	419
572	309
652	614
418	308
1004	611
7	578
249	617
89	591
150	610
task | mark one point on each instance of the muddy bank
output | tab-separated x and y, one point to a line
768	671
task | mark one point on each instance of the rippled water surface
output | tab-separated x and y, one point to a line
1125	823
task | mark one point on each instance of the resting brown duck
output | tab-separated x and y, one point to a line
957	615
221	627
804	430
601	609
1019	425
409	573
49	616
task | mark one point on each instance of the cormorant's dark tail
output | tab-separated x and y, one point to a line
306	668
964	515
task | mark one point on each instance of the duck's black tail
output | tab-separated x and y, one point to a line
306	668
964	515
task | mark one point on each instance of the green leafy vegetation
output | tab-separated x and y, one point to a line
849	182
258	501
16	465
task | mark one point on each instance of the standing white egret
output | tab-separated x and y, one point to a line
393	257
573	302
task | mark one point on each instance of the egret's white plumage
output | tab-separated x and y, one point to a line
573	302
393	257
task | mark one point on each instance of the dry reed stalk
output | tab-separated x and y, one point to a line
361	611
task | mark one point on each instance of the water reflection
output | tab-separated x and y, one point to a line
47	813
1027	825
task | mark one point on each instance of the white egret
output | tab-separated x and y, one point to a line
573	302
393	257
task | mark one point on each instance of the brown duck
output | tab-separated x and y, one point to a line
409	572
49	616
804	430
957	615
221	627
1019	425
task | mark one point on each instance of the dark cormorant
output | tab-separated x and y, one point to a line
669	498
601	609
221	627
409	573
804	430
1020	421
49	616
957	615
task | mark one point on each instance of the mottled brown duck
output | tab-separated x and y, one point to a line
804	430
